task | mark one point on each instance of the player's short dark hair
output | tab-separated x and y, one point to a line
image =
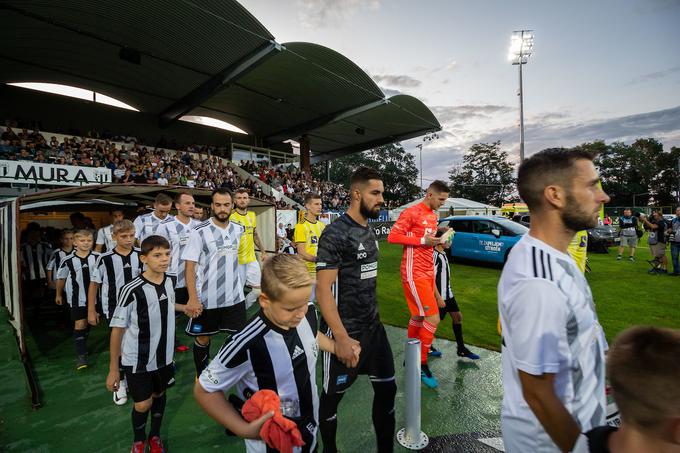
646	395
547	167
153	242
221	191
242	190
362	175
178	195
163	199
65	231
438	186
309	196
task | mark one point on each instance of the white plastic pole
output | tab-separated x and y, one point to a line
411	436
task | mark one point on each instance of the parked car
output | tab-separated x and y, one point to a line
602	237
522	219
483	238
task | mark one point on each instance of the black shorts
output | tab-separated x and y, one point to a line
181	296
215	320
375	360
78	313
451	306
142	385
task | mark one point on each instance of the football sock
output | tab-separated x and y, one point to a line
157	410
384	414
426	338
201	355
79	340
458	333
139	424
414	328
328	420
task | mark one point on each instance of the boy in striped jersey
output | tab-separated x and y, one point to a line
216	301
442	278
147	224
277	350
58	256
142	332
112	270
73	276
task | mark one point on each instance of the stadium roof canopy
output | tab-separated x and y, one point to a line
209	58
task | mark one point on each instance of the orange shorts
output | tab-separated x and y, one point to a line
420	297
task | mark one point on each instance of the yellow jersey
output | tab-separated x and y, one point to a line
309	233
246	248
578	249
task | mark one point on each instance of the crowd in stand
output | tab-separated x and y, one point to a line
135	163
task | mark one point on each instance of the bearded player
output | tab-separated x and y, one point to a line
415	230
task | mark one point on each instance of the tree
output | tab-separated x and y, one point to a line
397	167
486	175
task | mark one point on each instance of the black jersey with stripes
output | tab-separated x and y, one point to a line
264	356
34	260
76	271
352	249
146	311
112	271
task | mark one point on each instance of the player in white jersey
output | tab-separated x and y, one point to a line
216	301
105	239
147	224
553	345
177	230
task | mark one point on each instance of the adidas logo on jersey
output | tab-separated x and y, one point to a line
163	297
361	246
127	265
297	352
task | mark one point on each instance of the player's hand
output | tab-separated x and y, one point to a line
113	380
357	351
93	318
440	302
57	300
430	240
344	351
253	428
194	308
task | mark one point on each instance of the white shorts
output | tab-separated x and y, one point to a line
250	274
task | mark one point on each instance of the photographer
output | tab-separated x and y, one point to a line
656	239
628	233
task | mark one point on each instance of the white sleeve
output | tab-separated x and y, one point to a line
52	261
138	227
220	377
535	318
62	273
96	273
192	251
123	312
101	237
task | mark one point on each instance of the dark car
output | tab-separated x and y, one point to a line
602	237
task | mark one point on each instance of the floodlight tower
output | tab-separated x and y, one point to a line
521	47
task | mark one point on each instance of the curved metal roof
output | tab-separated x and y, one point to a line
210	58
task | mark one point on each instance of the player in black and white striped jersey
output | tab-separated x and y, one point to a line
35	254
277	350
105	240
112	271
147	224
216	303
73	277
142	334
58	256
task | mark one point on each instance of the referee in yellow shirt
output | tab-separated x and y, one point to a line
307	234
249	267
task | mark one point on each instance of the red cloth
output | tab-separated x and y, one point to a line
278	432
411	226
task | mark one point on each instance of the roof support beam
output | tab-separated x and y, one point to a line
202	93
334	117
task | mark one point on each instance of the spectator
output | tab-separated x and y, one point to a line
674	239
281	231
628	234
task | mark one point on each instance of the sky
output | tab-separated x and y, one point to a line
605	69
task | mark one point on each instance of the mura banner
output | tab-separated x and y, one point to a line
20	172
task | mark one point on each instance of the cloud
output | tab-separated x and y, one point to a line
654	75
430	70
392	80
331	13
389	92
458	113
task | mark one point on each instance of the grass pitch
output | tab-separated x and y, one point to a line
625	295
